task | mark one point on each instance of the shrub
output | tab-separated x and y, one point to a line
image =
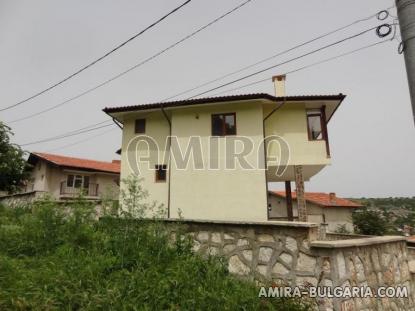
370	222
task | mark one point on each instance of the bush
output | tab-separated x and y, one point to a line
52	260
370	222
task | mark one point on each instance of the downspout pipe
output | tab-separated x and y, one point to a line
117	123
169	166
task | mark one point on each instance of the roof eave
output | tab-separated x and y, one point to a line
213	100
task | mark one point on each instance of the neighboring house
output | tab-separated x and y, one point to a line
221	194
66	177
321	208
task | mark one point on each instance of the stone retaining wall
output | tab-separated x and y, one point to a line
288	253
343	236
21	198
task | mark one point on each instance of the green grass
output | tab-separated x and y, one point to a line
55	260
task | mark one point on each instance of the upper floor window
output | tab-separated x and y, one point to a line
140	126
315	125
223	124
77	181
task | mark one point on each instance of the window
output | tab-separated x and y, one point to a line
315	125
69	181
161	173
140	126
223	124
77	181
86	182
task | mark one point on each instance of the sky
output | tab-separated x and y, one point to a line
371	135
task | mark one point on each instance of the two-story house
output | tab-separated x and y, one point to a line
222	183
64	177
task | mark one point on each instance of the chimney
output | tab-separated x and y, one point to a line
279	85
116	161
332	197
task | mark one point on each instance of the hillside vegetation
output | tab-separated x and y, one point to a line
385	216
55	257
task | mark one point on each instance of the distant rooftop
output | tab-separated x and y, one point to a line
71	162
321	198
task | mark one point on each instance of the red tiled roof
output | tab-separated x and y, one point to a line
110	167
321	198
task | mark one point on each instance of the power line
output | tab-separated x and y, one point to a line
81	141
84	128
307	66
98	59
80	131
287	61
275	55
135	66
69	134
237	88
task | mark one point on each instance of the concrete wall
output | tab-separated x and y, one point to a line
288	253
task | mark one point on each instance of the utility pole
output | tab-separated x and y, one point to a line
406	16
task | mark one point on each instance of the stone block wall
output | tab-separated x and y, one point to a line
289	253
372	262
21	198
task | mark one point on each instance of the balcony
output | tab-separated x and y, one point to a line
88	191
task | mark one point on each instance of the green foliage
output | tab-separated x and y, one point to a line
342	229
399	212
370	222
55	256
13	167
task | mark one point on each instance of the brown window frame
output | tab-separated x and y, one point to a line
310	136
323	125
157	171
140	129
224	123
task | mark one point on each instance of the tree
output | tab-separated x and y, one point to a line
13	166
370	222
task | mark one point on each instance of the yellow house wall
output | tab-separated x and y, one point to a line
219	194
290	123
157	128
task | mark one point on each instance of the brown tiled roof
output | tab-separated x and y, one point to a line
219	99
110	167
321	198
